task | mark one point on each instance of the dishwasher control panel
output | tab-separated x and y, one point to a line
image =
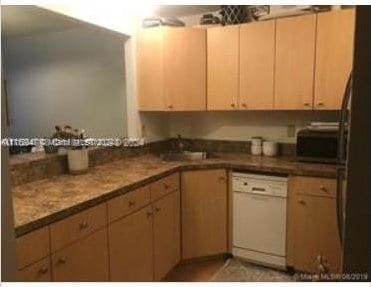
260	184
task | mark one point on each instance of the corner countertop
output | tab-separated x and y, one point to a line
39	203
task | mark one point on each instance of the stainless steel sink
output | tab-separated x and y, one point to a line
186	155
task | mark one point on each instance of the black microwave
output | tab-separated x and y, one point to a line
317	145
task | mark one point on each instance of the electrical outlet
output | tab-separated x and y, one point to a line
291	131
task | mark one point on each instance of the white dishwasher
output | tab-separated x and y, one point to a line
259	218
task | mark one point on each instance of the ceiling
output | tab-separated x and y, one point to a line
22	20
183	10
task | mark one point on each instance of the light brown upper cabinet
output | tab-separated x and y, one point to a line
185	69
257	45
334	57
150	69
295	50
222	68
172	69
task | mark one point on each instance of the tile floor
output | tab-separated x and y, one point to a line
222	270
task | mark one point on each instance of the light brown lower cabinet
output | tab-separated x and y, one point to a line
204	213
83	260
313	238
37	272
131	247
166	230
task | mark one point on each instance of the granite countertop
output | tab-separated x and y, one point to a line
43	202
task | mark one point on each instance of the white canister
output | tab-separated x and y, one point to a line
270	148
256	149
256	141
78	160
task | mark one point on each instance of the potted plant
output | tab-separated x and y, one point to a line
77	153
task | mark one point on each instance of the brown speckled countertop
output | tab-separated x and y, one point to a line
42	202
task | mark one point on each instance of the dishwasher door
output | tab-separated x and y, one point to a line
259	223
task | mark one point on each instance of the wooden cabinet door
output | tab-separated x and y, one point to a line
32	247
312	230
150	69
204	213
84	260
131	247
257	46
36	272
222	68
334	57
166	228
295	50
185	69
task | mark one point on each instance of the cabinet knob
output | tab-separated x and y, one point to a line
149	213
43	270
233	105
166	186
323	188
157	209
301	202
320	104
306	104
244	105
131	203
83	225
62	260
221	178
170	106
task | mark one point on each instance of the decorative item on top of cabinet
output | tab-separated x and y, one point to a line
204	213
171	69
334	57
222	68
257	46
294	71
313	243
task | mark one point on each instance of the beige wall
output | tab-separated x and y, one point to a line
271	125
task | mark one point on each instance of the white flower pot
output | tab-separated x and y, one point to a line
78	160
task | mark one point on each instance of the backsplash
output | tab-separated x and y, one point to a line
285	149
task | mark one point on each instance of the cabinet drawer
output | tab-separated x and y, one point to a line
314	186
77	226
128	203
164	186
32	247
39	271
84	260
